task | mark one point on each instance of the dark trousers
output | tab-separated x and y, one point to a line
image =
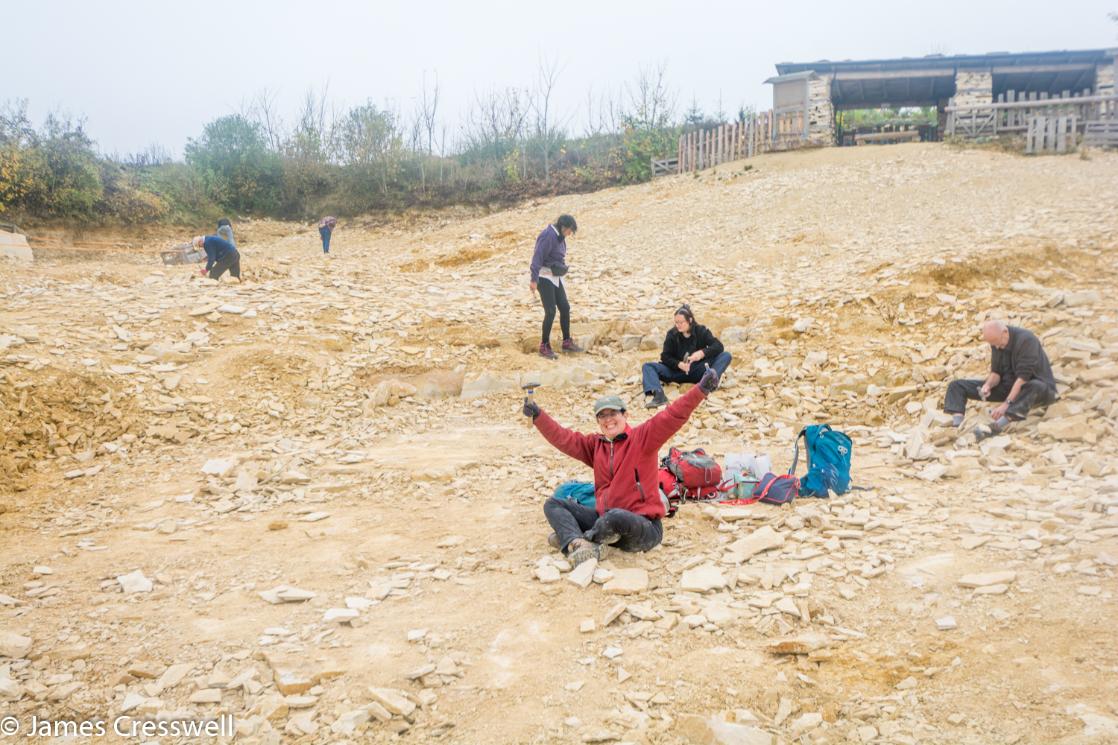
554	298
571	520
1034	393
230	262
655	374
325	234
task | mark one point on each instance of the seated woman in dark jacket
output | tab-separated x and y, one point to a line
689	349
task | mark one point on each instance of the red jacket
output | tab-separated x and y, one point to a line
633	454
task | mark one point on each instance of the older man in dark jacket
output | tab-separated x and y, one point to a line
1020	379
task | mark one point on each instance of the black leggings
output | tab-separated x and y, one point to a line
230	262
626	530
554	297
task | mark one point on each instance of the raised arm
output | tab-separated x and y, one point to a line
659	428
575	444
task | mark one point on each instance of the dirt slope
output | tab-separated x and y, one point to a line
358	419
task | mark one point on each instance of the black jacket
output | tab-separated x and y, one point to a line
1023	357
677	346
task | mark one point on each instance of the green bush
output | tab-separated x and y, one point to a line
236	166
639	146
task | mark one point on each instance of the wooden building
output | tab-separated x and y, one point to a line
973	94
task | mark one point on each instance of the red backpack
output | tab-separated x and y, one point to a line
689	474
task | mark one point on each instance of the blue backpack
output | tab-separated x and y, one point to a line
577	491
828	461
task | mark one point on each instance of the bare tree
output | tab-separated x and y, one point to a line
494	126
429	109
602	117
309	140
548	133
263	111
651	104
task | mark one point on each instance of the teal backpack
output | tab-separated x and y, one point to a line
828	461
577	491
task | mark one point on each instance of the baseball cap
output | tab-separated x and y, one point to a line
609	402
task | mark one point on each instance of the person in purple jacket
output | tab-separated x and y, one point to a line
549	264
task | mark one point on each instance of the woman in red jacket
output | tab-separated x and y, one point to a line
625	460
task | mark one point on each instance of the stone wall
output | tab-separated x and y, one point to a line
973	87
820	111
1104	78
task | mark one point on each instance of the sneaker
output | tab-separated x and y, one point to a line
580	550
569	347
553	541
658	399
547	353
983	432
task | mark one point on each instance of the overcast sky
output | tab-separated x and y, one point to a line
155	72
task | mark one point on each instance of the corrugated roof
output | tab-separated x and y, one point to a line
940	61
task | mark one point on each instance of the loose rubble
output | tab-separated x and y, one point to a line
310	500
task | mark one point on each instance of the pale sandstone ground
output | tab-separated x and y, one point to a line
335	387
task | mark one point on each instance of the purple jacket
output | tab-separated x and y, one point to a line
551	248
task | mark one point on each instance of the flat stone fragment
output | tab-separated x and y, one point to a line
762	539
393	700
134	582
548	573
801	644
806	722
206	696
218	466
340	615
613	614
788	606
946	623
285	594
703	578
991	590
583	574
627	582
986	579
14	645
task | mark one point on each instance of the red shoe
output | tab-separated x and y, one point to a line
546	351
570	347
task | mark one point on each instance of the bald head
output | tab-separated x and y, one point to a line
996	334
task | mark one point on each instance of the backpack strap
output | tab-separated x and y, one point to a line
796	452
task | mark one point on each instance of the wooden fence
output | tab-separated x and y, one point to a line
1101	133
1012	113
711	147
1050	134
664	166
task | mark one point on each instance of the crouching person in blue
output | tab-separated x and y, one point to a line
690	349
627	506
221	256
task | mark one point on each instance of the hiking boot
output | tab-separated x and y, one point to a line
547	353
569	347
580	550
658	399
553	541
983	432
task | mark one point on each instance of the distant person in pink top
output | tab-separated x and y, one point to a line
325	228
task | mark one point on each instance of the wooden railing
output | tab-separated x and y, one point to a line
743	139
1013	117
